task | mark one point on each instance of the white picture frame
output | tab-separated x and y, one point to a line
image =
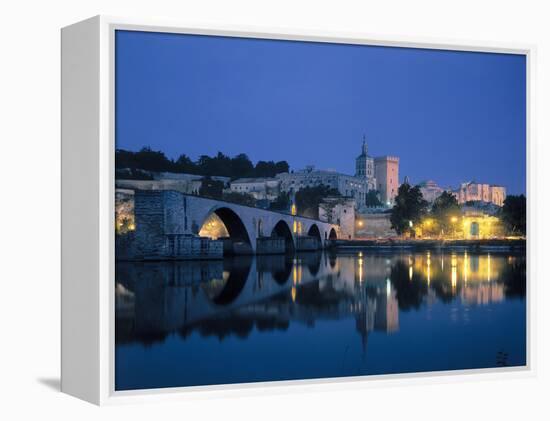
88	211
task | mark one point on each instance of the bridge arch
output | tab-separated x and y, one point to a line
233	224
332	234
236	273
281	229
314	232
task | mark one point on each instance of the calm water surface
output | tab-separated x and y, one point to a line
317	315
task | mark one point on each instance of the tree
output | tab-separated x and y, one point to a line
270	168
240	198
282	203
514	214
241	166
446	211
217	165
408	210
373	198
184	164
145	159
308	199
211	188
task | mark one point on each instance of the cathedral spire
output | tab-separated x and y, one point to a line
364	147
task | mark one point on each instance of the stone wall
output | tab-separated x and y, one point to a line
374	225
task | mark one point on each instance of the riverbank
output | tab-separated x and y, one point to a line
396	244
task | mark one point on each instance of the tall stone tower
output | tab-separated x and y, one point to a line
364	166
386	170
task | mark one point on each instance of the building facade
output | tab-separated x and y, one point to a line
339	211
386	172
260	188
478	192
430	190
347	185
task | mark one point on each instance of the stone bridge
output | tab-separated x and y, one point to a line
169	221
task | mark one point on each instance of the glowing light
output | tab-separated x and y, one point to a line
489	267
293	209
360	223
293	294
410	273
429	273
453	272
465	268
295	227
454	219
453	279
388	287
410	224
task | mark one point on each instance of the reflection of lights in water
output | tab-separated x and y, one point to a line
410	273
453	271
360	254
465	269
489	267
293	294
453	278
296	273
388	287
442	267
360	262
428	274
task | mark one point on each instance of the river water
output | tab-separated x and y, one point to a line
317	315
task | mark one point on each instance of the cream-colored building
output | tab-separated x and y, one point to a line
386	172
473	192
260	188
340	211
347	185
430	190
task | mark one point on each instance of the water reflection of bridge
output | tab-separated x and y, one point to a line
226	296
234	295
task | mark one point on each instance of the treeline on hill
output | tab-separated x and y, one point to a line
239	166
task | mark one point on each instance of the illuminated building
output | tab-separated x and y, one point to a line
472	192
347	185
386	172
479	225
340	211
430	190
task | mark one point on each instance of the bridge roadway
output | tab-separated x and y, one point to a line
163	213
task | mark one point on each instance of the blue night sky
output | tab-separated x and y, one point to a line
449	116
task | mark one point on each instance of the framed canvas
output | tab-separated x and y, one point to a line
246	208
